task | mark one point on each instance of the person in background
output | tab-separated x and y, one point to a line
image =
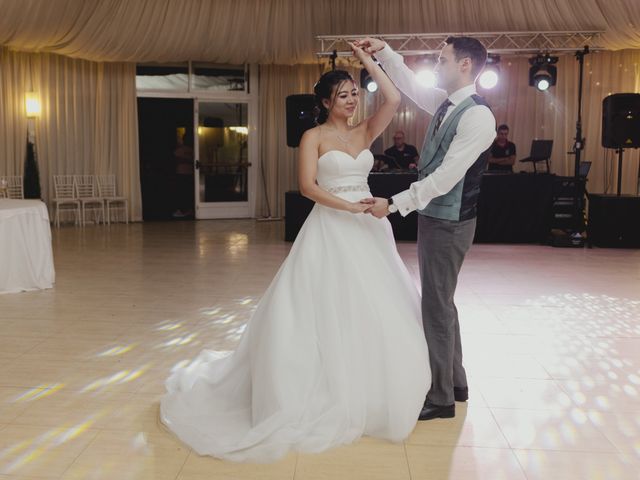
502	155
380	163
405	156
183	195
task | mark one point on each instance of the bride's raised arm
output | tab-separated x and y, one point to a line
376	123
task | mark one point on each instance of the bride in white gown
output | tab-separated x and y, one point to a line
335	349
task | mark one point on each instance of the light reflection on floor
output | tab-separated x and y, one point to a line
551	340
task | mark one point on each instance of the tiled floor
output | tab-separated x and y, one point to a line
551	339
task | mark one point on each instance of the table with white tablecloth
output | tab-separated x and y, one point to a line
26	256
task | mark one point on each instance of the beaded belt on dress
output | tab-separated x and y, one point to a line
348	188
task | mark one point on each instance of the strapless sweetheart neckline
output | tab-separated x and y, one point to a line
346	153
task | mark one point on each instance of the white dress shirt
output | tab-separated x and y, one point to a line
475	133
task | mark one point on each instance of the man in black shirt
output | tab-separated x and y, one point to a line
404	156
502	155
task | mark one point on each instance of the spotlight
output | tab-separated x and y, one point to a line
488	79
491	74
426	78
367	82
425	75
542	81
543	73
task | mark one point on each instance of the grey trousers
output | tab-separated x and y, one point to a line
442	246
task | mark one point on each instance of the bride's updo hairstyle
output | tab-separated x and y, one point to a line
327	88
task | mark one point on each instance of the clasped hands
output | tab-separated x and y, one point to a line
364	48
378	207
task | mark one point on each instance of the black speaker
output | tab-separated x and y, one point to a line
614	221
300	117
621	120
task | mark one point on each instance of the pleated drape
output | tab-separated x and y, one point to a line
282	31
88	123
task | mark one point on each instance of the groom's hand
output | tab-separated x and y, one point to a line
358	52
380	208
370	45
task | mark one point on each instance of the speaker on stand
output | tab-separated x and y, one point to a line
613	219
621	125
300	117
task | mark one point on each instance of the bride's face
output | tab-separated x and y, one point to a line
345	100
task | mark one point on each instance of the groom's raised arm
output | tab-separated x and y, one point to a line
427	98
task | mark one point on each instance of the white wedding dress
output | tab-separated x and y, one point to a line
334	350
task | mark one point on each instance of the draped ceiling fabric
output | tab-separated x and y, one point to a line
281	31
279	35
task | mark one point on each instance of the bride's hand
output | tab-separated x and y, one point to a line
358	207
370	45
358	52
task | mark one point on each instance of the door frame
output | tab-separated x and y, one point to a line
212	210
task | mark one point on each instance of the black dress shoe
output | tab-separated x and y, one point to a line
461	394
431	410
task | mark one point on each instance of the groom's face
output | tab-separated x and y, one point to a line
448	70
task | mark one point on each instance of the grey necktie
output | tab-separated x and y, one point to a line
440	113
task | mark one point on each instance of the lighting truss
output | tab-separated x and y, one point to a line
499	43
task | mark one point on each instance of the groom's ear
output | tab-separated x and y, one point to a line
466	64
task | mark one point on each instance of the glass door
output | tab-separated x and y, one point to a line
223	166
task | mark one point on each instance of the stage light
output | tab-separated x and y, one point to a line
543	73
542	81
491	74
424	67
427	78
367	82
488	79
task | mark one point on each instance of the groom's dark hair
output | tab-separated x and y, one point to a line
467	47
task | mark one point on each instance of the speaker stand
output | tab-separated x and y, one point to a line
573	237
620	152
268	218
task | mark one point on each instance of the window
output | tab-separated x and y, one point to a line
180	77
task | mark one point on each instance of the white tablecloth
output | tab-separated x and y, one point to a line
26	257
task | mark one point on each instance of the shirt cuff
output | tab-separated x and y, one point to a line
404	202
386	54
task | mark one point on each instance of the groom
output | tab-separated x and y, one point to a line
453	157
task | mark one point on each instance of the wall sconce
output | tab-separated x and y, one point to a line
32	102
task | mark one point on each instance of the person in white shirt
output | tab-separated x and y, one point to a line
453	158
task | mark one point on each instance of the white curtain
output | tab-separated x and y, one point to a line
88	123
14	83
282	31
